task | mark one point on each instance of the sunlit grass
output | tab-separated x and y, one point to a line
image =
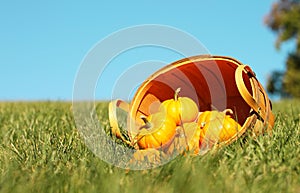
41	151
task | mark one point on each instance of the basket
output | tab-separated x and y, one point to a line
213	82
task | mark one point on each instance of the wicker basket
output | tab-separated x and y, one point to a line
213	82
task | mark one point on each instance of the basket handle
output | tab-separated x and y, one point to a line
112	111
251	100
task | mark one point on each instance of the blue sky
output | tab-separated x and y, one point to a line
42	43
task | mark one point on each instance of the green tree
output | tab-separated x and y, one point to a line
284	19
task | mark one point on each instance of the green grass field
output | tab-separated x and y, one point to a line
41	151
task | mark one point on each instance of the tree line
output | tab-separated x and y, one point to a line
284	20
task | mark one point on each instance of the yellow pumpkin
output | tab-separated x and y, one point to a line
158	130
151	155
217	127
187	138
193	133
181	109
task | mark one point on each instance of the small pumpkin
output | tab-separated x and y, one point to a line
181	109
158	130
187	139
193	133
217	127
144	155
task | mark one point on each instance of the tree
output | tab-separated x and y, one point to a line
284	19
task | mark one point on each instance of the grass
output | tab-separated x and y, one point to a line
41	151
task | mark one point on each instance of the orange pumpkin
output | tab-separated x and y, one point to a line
193	133
187	138
181	109
217	127
158	130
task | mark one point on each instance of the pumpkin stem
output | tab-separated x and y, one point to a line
147	123
228	111
177	93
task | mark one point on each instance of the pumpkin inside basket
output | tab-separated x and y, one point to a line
212	82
